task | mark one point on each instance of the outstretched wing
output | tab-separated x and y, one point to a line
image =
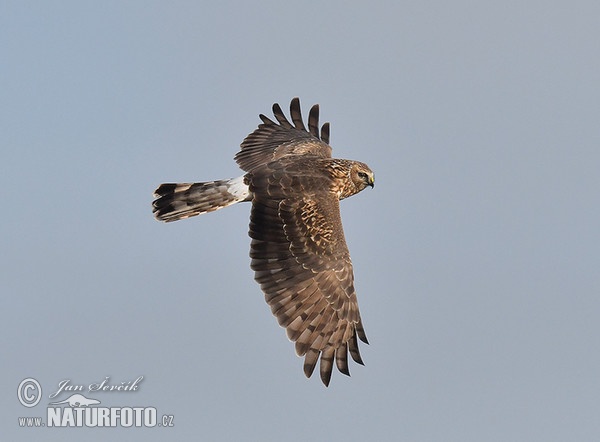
272	140
302	263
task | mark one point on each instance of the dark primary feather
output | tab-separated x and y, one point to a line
274	140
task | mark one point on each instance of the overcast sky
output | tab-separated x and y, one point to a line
475	255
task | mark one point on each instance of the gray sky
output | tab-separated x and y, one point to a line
475	255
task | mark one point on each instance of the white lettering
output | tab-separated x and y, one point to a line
65	386
101	417
123	386
126	417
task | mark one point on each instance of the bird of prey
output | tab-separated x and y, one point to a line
298	251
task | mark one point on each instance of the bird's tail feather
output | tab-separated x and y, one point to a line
179	201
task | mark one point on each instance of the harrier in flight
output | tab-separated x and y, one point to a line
299	254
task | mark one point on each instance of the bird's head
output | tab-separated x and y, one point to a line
361	176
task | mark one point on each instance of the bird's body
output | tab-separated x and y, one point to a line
298	249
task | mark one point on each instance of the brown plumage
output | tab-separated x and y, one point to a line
299	254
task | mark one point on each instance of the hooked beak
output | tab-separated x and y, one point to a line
371	181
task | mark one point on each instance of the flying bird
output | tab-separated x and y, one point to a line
298	250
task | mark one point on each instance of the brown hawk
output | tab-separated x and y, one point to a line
299	254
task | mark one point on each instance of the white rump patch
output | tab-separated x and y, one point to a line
238	188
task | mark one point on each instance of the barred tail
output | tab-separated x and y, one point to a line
179	201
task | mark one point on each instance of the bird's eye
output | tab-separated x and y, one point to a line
362	175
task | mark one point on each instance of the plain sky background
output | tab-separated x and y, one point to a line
475	256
